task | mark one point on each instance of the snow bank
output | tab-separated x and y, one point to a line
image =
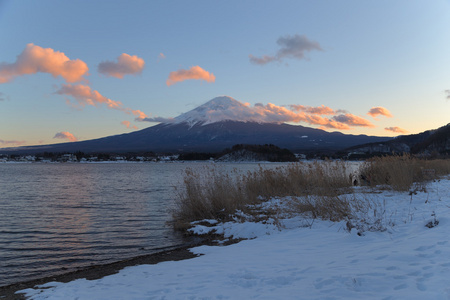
319	261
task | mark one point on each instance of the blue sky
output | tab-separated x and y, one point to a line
349	56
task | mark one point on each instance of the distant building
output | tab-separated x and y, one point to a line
68	158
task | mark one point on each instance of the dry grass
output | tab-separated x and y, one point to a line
316	188
212	194
208	194
317	178
402	172
333	208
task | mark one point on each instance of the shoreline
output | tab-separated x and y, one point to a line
99	271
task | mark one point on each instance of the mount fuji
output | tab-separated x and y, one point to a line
221	109
218	124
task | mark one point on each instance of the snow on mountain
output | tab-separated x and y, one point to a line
216	110
225	108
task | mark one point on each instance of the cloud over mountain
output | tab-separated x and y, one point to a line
353	120
379	111
125	65
127	124
319	110
65	136
195	72
158	120
396	129
12	143
84	95
34	59
226	108
293	47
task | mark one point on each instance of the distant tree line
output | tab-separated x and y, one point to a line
101	156
267	152
197	156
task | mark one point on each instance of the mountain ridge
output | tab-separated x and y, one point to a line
430	141
211	127
186	137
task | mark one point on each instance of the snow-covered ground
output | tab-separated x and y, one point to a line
304	259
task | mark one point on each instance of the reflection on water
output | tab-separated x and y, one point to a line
55	217
59	217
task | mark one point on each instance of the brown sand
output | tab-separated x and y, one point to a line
96	272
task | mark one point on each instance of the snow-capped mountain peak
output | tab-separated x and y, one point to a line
218	109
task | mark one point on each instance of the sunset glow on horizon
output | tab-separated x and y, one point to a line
87	70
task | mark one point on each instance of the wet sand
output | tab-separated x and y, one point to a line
99	271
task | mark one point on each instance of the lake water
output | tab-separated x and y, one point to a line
55	218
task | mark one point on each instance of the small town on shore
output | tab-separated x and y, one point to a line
75	158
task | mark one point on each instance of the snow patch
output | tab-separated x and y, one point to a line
320	261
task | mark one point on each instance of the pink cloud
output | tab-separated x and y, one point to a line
127	124
353	120
396	129
161	56
86	96
140	115
227	108
125	65
36	59
65	136
194	72
12	143
318	110
274	113
325	122
376	111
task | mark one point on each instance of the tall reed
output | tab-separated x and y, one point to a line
401	172
315	187
210	193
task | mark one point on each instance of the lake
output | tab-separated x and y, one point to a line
59	217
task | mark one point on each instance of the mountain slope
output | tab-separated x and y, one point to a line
437	140
185	137
219	109
218	124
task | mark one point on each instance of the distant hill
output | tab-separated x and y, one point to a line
438	142
429	142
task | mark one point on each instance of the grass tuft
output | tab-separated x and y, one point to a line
209	193
402	172
319	189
